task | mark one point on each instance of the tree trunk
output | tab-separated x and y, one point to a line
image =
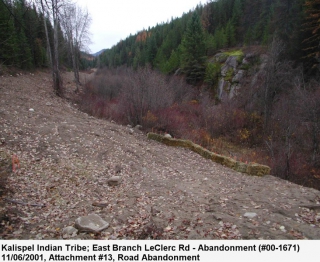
57	81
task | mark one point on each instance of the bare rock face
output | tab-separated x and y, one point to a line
231	63
114	181
237	78
91	223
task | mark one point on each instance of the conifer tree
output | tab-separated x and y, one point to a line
151	49
8	37
312	30
230	34
193	51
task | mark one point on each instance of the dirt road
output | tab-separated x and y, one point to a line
67	157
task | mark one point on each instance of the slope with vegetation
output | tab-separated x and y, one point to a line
252	79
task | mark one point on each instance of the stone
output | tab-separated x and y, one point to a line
283	229
252	55
238	76
138	127
250	215
114	181
131	131
69	232
231	63
245	61
178	72
31	110
220	58
118	169
167	136
234	90
100	204
91	223
222	87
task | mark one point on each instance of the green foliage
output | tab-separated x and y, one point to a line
172	64
151	49
8	42
193	51
230	34
212	73
225	24
22	36
311	29
229	74
220	38
210	44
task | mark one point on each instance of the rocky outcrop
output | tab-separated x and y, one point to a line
235	66
252	169
230	64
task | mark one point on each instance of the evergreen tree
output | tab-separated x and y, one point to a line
25	58
151	49
312	41
8	37
24	52
193	52
230	34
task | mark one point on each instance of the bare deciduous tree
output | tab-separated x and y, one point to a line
76	22
52	10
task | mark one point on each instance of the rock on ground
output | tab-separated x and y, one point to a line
91	223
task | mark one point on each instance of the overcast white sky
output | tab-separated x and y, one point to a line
113	20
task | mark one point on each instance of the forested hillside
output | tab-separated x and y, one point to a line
23	41
225	24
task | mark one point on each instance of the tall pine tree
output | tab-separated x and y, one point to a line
8	36
193	51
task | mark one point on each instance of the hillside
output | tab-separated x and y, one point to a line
98	53
66	158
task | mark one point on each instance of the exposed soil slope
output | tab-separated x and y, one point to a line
66	158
